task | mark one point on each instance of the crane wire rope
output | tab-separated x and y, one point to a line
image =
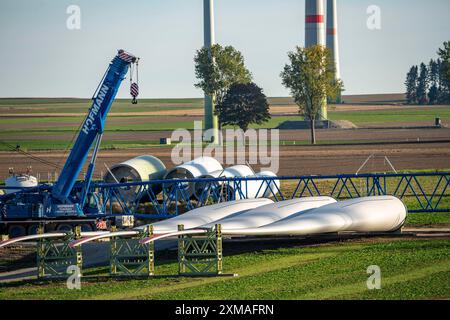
29	155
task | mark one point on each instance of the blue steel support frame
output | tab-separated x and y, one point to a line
422	192
422	196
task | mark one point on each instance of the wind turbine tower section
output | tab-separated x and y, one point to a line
211	121
315	34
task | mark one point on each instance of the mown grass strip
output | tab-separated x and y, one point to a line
246	271
411	269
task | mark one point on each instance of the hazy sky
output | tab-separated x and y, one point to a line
40	57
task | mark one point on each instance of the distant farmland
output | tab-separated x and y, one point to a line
73	105
47	128
49	124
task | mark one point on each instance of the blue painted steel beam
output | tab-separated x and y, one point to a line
91	128
174	198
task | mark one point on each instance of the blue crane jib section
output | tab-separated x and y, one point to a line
92	121
93	125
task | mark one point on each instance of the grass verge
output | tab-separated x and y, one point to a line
411	269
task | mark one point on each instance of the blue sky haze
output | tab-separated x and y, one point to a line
41	57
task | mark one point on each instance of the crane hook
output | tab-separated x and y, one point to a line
134	86
134	90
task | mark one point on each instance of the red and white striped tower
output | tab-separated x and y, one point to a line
315	33
332	34
315	23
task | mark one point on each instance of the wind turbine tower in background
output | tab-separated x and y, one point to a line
333	38
211	121
315	33
315	23
332	34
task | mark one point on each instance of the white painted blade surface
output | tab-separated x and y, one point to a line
206	215
271	213
370	214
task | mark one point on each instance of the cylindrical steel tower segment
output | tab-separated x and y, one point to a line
315	23
315	34
332	34
211	121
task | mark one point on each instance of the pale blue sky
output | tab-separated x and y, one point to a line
40	57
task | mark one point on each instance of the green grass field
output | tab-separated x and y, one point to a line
21	135
357	117
410	269
431	220
151	125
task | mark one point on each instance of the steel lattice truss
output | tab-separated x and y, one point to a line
421	192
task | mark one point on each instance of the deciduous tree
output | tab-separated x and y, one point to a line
217	68
243	104
309	76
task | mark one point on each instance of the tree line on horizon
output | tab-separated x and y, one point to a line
429	84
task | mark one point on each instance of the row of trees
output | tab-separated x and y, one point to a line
309	75
430	84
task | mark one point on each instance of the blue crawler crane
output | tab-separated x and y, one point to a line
68	201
